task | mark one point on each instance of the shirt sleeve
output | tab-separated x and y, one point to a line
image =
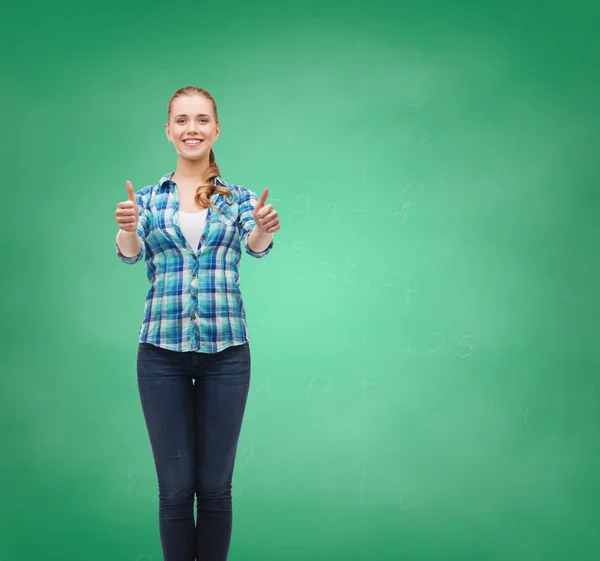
246	224
142	229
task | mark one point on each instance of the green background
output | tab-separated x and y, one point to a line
425	332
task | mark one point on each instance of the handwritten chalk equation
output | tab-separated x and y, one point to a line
321	388
130	376
267	389
304	208
316	390
245	457
422	141
438	344
330	212
410	195
366	382
318	386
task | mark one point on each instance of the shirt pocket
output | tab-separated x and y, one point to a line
226	214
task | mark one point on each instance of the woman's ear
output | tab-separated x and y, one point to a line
168	132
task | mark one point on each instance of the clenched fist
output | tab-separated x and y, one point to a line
128	213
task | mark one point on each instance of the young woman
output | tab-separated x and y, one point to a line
193	361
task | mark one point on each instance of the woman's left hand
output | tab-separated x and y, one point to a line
265	216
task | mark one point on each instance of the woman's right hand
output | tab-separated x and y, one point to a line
128	213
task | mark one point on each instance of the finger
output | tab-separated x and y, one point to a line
128	223
272	229
131	205
125	212
271	215
263	199
266	226
126	220
130	193
270	219
264	211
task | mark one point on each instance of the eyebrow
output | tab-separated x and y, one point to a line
199	115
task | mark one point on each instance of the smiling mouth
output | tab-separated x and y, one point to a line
194	142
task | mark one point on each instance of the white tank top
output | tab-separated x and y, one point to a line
191	225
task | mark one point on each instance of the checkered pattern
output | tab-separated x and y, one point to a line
194	302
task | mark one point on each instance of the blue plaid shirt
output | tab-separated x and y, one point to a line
194	302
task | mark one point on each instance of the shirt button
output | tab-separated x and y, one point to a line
194	296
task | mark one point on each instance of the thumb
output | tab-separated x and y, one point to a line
263	199
130	193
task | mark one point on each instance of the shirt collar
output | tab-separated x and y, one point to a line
165	181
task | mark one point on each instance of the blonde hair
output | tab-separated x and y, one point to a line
206	187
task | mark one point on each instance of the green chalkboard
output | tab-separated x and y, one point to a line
424	334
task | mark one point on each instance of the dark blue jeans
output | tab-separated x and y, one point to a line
193	405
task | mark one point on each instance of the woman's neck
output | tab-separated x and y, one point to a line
188	171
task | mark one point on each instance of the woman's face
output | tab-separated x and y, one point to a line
192	127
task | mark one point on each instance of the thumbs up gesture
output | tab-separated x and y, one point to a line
128	213
265	216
